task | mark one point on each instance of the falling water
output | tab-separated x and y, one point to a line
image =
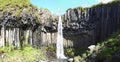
60	49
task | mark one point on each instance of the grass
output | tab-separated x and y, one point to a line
12	3
103	50
28	54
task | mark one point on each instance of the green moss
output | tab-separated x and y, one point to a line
16	7
111	46
108	4
28	54
70	52
12	3
105	49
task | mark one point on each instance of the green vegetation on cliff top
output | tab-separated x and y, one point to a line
100	4
12	3
15	6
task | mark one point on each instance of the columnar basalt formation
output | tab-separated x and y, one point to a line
87	26
23	24
25	29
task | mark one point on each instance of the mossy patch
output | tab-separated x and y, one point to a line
27	54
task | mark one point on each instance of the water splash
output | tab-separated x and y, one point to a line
60	49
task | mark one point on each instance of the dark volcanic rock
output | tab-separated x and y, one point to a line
24	23
97	22
116	57
50	25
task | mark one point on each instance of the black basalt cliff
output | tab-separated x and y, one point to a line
86	26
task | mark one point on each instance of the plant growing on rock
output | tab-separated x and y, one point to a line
103	50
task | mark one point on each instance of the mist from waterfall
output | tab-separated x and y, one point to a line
60	48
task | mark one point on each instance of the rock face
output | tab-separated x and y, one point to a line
23	24
87	26
27	29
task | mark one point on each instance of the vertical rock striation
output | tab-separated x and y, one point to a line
87	26
25	24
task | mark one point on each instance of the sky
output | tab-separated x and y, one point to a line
60	6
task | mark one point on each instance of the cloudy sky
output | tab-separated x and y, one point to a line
63	5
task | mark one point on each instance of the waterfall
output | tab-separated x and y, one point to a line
60	48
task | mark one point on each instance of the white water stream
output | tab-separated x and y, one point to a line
60	48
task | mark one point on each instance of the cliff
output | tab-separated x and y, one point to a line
87	26
22	23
